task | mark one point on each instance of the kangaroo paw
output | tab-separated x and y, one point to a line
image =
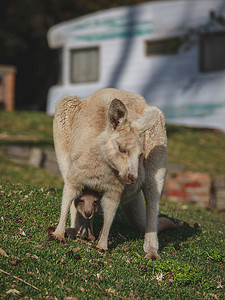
102	249
50	231
152	255
54	237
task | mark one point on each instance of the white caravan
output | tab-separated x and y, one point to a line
171	52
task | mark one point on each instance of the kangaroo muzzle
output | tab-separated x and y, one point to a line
130	178
88	214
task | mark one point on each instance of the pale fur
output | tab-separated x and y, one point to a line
115	147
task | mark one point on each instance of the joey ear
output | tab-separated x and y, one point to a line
117	113
147	121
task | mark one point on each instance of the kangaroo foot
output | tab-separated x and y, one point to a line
152	255
54	237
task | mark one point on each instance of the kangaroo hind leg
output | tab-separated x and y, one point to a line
135	212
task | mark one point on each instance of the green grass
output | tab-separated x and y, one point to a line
192	265
21	173
200	150
26	127
193	258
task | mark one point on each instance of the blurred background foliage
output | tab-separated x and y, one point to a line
23	42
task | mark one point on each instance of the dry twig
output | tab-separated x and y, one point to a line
34	287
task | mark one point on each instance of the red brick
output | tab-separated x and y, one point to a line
177	193
190	187
173	184
193	184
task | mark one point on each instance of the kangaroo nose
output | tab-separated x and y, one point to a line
131	178
88	214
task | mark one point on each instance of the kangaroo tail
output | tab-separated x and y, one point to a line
135	214
165	224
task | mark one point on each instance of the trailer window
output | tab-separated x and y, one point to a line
163	47
212	52
84	65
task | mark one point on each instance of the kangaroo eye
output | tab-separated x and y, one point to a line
81	201
122	150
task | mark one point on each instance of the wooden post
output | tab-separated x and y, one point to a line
7	89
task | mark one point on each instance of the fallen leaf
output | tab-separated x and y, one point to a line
132	293
126	249
15	260
213	296
15	257
184	206
177	246
158	277
111	290
101	264
21	231
143	267
14	292
171	279
32	256
70	254
63	259
19	220
196	226
35	257
181	223
2	252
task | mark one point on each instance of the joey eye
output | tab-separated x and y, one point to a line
81	201
122	150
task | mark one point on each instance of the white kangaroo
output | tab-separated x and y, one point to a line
112	142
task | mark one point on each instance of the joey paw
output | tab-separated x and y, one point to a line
71	233
91	237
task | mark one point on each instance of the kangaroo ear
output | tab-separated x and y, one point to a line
117	113
147	121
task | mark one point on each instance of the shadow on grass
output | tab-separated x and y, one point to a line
121	232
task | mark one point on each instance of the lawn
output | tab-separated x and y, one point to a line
195	149
31	266
192	265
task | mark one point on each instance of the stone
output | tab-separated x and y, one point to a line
35	157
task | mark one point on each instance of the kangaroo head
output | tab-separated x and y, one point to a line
88	204
122	141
